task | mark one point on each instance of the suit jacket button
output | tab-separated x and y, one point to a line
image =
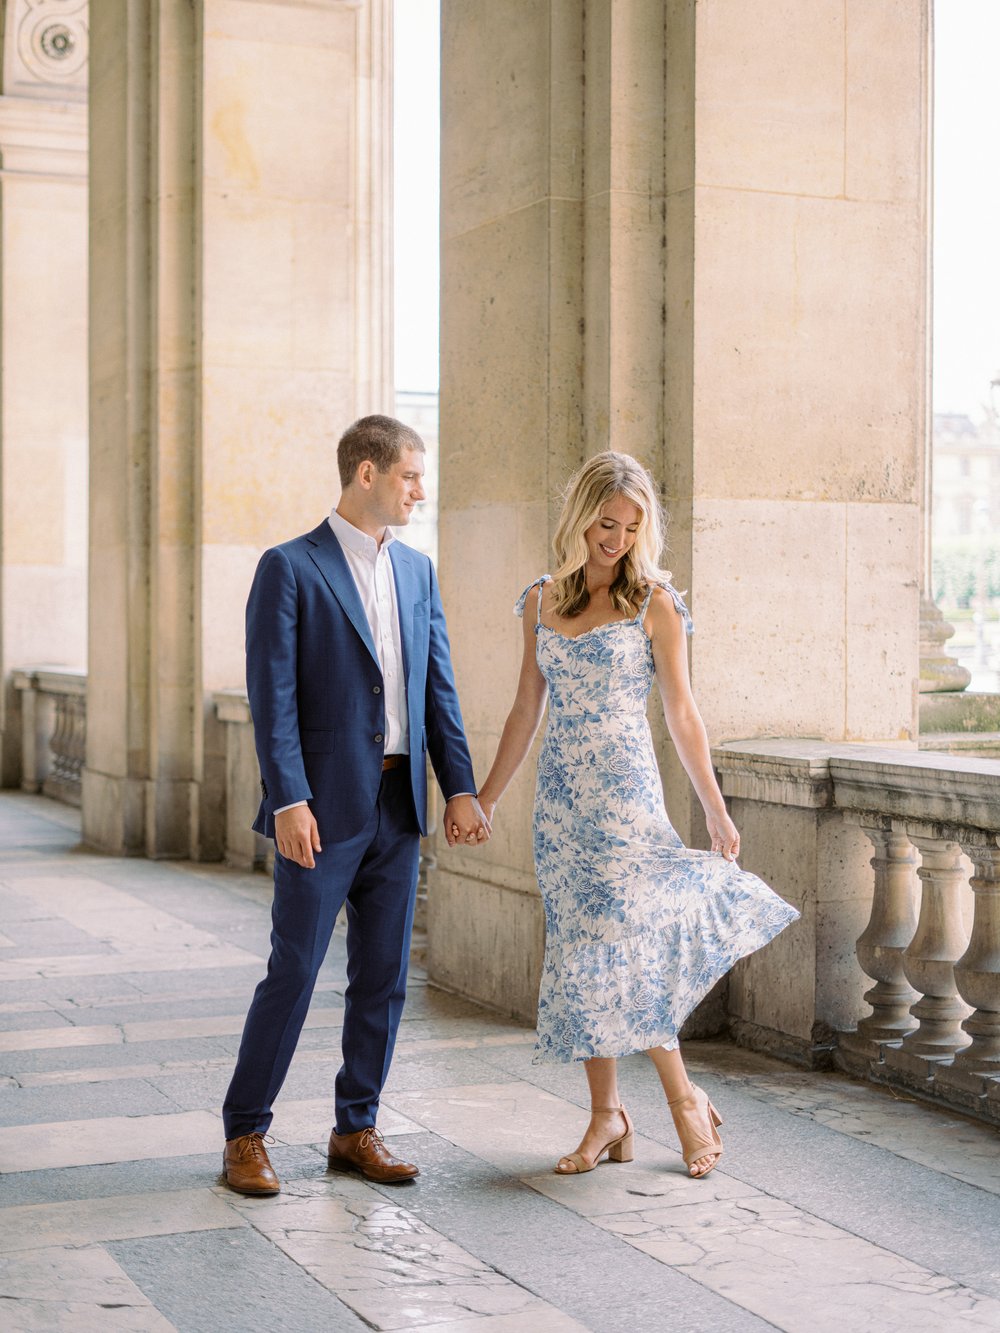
376	689
379	737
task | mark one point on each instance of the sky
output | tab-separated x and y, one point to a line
416	156
966	199
966	203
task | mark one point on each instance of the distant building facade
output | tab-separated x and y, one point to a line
420	410
966	475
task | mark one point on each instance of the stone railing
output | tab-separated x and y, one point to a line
53	730
812	814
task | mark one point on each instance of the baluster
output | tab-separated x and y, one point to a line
77	747
977	972
57	744
880	949
929	961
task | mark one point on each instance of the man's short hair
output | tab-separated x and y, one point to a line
376	439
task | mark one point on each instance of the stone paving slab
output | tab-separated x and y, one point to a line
835	1204
74	1289
232	1281
118	1217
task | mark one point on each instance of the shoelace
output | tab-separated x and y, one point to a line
253	1146
371	1138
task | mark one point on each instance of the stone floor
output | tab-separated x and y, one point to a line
123	986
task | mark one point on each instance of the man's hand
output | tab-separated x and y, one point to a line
296	834
465	822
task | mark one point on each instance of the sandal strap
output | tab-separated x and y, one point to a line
580	1163
701	1147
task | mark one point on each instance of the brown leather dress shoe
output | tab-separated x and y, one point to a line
366	1152
247	1168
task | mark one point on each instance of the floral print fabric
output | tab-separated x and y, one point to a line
638	927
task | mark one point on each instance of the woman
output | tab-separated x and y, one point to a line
638	927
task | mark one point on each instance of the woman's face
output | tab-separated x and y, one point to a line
613	532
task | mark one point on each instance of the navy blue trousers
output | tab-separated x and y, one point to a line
375	874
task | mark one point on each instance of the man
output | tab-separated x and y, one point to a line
350	683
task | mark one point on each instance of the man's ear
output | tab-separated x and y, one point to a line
365	474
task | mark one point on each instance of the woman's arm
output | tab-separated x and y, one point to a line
687	730
523	718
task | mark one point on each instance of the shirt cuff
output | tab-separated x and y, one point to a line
293	806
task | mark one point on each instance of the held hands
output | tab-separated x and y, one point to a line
725	838
465	822
296	835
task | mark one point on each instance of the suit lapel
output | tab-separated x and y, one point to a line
329	559
405	597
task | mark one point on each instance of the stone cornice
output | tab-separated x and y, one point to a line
43	138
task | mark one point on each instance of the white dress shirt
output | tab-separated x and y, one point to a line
371	570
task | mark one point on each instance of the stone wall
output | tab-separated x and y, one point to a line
43	366
697	234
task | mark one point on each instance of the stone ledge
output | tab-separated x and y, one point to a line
777	772
957	791
231	706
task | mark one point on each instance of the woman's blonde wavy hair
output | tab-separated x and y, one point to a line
601	479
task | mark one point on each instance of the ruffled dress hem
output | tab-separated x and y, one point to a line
669	1036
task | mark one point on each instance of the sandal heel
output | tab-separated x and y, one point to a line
623	1150
697	1143
619	1150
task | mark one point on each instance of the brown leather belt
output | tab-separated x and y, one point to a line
394	761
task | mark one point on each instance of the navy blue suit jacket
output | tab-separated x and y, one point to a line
316	690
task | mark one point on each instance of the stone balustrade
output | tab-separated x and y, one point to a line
928	825
53	730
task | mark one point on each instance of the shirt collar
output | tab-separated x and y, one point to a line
357	541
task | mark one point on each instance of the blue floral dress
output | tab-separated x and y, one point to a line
638	927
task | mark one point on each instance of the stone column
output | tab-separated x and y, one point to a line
542	259
239	319
43	332
700	237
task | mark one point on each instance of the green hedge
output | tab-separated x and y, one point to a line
955	569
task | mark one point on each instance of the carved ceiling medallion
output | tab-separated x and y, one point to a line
45	48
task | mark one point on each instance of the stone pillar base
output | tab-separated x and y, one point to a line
172	822
137	817
486	941
938	670
114	814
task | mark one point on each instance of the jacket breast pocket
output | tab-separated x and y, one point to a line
318	740
422	608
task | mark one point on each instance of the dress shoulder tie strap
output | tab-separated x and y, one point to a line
520	603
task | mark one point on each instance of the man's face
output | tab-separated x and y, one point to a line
394	493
